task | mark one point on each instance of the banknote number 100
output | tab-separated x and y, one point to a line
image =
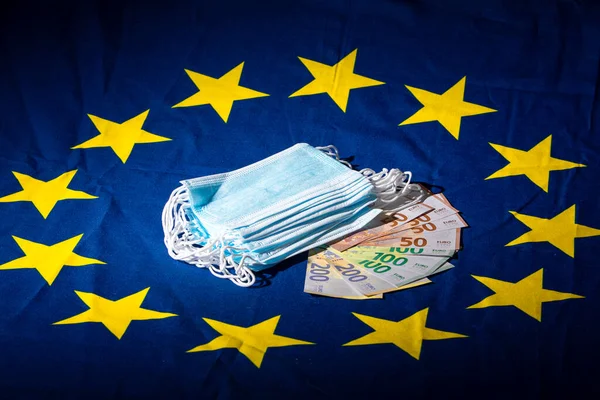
404	250
386	258
376	267
318	273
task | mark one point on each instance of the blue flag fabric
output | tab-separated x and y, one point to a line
106	106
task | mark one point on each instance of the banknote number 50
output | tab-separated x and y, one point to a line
418	242
429	227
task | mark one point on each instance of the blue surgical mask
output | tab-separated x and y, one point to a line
316	199
318	207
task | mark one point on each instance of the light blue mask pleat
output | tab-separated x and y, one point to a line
264	185
273	223
325	205
308	200
341	229
320	224
311	218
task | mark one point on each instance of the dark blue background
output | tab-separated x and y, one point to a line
535	62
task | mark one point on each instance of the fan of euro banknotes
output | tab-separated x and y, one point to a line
396	251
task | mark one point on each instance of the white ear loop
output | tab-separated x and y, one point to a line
332	151
386	183
183	245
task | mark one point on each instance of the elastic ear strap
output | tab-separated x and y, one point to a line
242	275
183	245
332	151
173	222
180	242
386	182
386	185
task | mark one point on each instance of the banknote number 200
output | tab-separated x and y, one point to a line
320	273
351	272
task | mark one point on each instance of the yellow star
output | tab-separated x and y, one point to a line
253	342
527	294
559	231
536	163
121	137
336	80
48	260
447	108
114	315
45	195
408	334
220	93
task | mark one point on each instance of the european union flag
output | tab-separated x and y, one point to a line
107	106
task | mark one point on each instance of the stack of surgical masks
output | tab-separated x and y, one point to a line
240	222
